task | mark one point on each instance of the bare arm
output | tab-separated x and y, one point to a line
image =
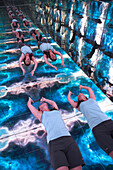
91	93
56	52
12	26
51	102
20	63
30	24
18	25
34	111
73	103
25	26
35	62
48	63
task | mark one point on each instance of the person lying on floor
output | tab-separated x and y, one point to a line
48	51
26	57
100	124
64	152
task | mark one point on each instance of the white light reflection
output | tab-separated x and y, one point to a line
82	30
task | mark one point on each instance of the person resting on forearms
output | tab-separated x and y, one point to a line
26	57
19	34
63	150
100	124
48	51
14	24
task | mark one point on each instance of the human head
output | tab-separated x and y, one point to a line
15	24
43	107
26	23
82	97
50	55
27	60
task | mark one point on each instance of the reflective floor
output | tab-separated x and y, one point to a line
22	137
84	29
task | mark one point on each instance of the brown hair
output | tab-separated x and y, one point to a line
48	55
80	101
30	55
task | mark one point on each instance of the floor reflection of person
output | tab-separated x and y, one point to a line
63	150
26	57
48	51
100	124
19	34
14	24
33	32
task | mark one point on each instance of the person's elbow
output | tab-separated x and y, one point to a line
68	98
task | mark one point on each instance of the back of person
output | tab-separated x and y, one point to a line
92	112
26	49
45	46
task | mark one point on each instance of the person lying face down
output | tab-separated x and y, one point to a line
48	51
33	32
19	34
26	23
14	24
64	152
26	57
100	124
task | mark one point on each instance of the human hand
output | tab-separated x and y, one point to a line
30	101
70	92
55	67
62	64
42	99
80	87
32	72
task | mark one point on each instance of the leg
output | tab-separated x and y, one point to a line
63	168
77	168
111	154
57	156
74	156
103	136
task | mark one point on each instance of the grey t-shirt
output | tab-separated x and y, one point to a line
54	125
92	113
45	46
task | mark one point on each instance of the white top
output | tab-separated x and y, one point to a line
24	19
10	11
14	20
17	30
30	29
92	113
